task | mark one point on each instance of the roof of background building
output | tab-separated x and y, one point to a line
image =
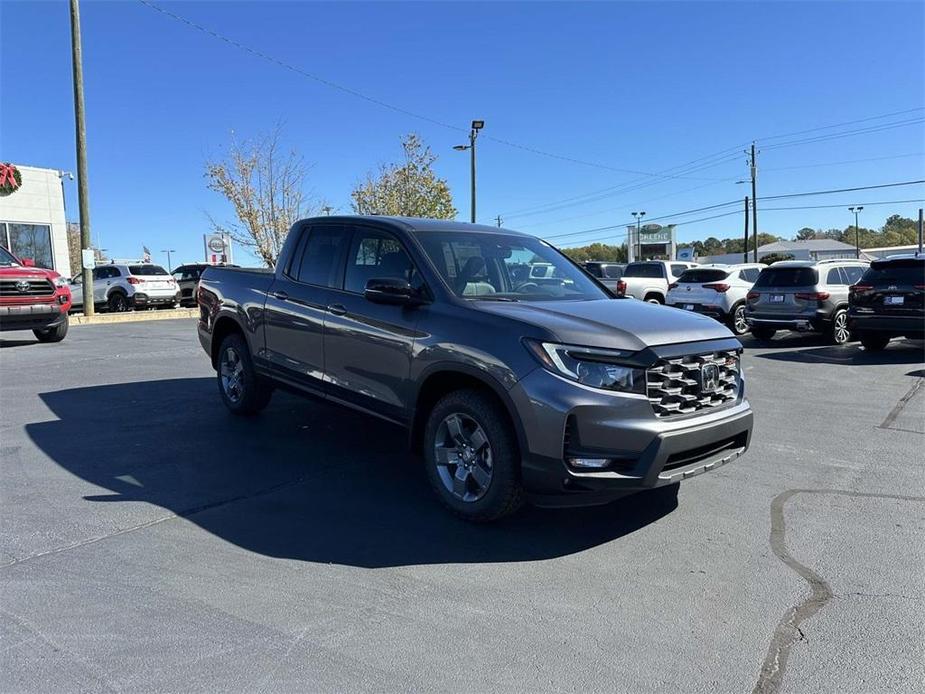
810	245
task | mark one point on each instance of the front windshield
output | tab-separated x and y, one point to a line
6	258
504	267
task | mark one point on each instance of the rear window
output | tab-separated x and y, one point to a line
613	272
643	270
906	271
146	270
787	277
701	276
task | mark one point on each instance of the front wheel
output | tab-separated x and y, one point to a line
737	320
471	457
55	334
242	390
874	343
118	302
838	332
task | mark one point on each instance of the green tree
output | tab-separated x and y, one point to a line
774	257
805	234
597	251
408	189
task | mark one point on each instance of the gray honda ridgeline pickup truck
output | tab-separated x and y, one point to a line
512	387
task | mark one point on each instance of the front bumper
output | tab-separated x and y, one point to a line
893	325
32	316
647	451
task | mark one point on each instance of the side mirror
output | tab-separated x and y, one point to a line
391	290
28	262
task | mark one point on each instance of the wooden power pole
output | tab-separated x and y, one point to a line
83	193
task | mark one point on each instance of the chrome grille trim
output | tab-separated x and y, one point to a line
673	386
37	287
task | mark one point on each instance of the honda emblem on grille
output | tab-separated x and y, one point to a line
23	286
709	378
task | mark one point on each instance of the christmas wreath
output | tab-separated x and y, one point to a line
10	178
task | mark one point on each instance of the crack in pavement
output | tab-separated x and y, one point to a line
788	629
903	401
180	514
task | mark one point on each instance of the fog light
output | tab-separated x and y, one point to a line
596	463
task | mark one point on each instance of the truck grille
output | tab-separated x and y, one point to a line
693	383
26	287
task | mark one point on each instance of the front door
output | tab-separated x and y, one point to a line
297	305
368	346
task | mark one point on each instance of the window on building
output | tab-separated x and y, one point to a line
31	241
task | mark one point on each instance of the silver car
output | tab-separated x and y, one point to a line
808	296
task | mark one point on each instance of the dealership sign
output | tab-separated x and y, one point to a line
655	233
217	248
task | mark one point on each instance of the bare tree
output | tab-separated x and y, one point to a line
266	190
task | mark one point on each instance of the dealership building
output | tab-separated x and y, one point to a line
32	219
651	242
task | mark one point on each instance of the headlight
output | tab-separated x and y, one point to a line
60	281
598	368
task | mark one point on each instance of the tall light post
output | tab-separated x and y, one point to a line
168	251
857	234
473	134
638	217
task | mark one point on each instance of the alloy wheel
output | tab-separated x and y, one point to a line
738	321
232	374
840	328
464	457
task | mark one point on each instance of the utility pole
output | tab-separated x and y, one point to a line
754	171
745	249
920	230
168	251
327	209
83	192
498	218
857	233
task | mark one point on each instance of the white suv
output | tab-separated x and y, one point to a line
716	290
122	287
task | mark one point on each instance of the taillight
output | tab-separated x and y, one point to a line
673	285
720	287
919	286
812	296
134	280
752	297
859	288
621	288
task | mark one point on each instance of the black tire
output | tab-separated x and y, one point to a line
764	334
655	299
55	334
737	317
504	493
250	393
118	302
838	332
874	342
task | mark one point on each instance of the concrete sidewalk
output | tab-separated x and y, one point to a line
133	316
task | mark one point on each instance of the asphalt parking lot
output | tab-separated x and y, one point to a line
152	542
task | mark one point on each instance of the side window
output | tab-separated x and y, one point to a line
834	277
613	272
853	273
375	254
322	257
97	273
115	272
676	270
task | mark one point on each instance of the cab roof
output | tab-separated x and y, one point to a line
417	224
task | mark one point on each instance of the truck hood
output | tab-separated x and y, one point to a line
613	323
23	271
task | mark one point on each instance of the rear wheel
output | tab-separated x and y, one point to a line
838	331
55	334
737	320
242	390
118	302
875	343
471	457
764	334
654	299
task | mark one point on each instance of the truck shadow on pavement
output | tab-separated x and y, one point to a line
305	480
899	351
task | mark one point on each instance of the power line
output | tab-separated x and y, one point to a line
847	161
690	221
849	133
821	207
841	190
838	125
379	102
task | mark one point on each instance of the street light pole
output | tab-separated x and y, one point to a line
168	251
857	233
83	193
473	134
638	217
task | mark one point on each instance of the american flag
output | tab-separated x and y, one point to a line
147	256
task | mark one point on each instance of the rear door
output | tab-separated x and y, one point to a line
298	302
368	346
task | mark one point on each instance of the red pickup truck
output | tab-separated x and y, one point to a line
33	298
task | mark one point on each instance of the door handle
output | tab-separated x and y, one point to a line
282	296
337	309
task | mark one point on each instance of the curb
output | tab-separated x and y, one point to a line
133	316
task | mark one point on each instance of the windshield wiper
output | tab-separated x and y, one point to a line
493	298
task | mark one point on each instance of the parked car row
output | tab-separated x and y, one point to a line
119	287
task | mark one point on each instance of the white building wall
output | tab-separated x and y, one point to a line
40	200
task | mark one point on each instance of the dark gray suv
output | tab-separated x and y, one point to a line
515	374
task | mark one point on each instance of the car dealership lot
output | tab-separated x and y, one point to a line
151	541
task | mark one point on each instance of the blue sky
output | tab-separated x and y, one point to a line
635	86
